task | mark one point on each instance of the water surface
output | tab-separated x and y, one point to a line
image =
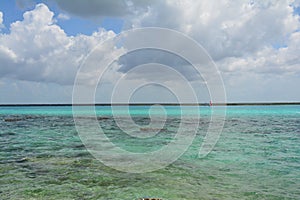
256	157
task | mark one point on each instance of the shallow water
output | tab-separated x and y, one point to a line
256	157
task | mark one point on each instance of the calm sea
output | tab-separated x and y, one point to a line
257	156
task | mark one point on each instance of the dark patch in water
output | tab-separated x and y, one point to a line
7	134
31	175
22	160
12	119
79	146
16	118
103	118
83	154
153	129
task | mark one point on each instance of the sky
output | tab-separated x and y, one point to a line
254	44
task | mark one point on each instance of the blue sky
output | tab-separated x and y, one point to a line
73	26
254	44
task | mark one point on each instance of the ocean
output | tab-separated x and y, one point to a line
257	155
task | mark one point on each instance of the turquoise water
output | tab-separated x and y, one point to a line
256	157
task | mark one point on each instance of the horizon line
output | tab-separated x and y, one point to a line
154	103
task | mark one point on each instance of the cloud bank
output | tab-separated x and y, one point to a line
249	40
228	29
238	35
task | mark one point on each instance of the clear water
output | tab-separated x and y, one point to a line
256	157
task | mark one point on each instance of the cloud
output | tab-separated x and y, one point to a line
259	39
36	49
1	17
145	56
241	37
225	28
24	4
1	20
282	61
110	8
63	16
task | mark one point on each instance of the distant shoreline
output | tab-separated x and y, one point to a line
163	104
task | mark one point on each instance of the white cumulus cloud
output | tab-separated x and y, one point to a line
36	49
225	28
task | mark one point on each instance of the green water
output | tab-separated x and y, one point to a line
256	157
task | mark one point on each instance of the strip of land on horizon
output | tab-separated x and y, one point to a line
150	104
